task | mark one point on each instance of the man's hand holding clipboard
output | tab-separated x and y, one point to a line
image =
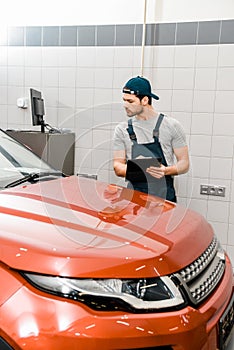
141	169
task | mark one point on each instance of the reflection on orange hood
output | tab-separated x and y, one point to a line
80	227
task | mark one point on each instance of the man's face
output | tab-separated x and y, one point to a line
132	104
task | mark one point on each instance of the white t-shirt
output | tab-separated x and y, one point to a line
171	135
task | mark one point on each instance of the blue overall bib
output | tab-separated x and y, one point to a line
163	187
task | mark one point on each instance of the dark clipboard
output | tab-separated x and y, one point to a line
136	168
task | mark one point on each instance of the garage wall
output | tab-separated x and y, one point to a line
89	12
81	64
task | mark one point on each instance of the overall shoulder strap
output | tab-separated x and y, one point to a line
157	126
130	131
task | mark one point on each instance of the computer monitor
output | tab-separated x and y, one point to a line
37	109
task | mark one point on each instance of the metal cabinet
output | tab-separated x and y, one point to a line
56	149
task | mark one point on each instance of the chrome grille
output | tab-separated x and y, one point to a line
202	276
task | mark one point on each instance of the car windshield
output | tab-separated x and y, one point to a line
17	162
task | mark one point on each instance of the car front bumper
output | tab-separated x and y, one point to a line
34	320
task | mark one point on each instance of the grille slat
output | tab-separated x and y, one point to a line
202	276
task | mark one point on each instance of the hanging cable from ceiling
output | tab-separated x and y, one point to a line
143	39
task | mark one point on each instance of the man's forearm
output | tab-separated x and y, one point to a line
180	167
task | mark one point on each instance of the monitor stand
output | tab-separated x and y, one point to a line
43	127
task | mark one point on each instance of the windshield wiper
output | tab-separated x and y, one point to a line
34	177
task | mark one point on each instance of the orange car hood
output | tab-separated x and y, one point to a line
84	228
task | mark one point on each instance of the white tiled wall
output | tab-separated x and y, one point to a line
82	91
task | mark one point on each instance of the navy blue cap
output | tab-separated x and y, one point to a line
139	86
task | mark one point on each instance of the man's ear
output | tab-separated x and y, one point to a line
145	100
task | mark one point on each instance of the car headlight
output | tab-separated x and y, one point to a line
133	295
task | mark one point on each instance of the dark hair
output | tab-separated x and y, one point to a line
142	96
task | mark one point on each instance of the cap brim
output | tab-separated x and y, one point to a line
154	96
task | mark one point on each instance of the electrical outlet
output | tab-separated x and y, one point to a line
220	190
213	190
